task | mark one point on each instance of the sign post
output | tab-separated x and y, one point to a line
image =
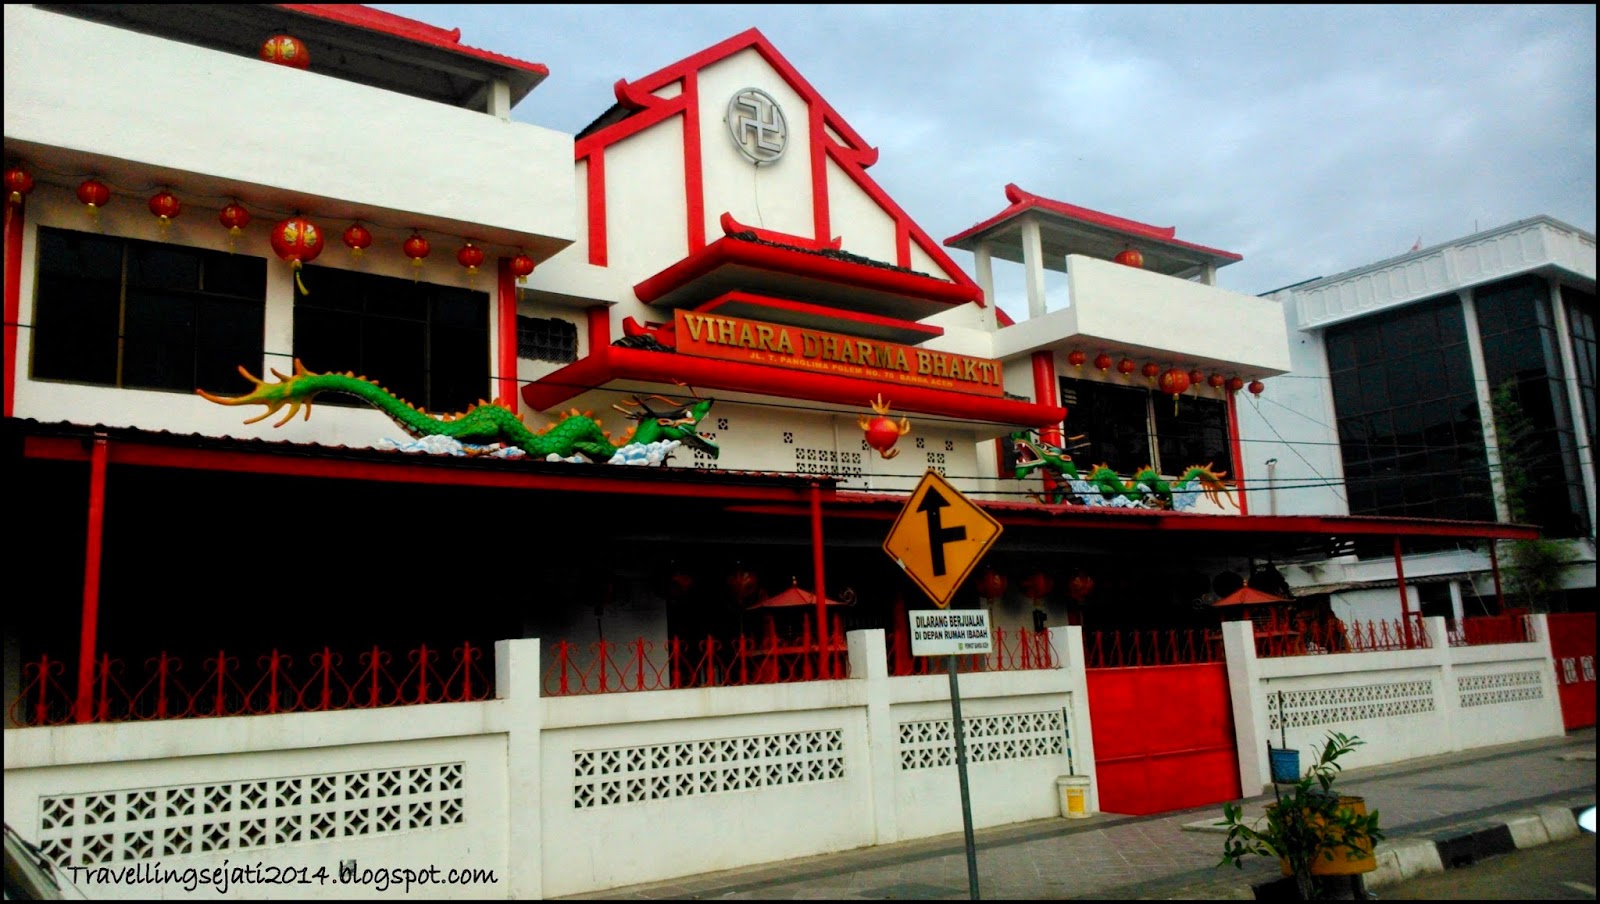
937	539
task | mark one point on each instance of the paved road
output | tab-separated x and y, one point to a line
1561	871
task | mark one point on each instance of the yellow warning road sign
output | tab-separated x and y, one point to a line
939	536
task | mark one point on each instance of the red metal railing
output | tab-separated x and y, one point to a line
1013	651
1279	636
1479	630
643	665
227	687
1126	649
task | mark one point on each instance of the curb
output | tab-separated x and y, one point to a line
1406	858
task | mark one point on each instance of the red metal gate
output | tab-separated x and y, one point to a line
1572	642
1163	737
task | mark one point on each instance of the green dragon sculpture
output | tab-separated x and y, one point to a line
1102	486
486	422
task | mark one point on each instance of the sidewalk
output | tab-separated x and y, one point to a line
1163	856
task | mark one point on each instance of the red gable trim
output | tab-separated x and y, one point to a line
409	29
854	156
1023	201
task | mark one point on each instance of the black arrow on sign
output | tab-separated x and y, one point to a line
938	534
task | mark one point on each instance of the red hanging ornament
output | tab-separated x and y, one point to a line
1129	258
235	218
1037	586
521	267
743	585
1257	387
357	239
164	204
1214	381
1235	384
1173	383
991	584
1196	377
1152	370
1103	362
1076	358
1079	587
94	193
1126	366
470	256
286	51
882	432
18	183
416	248
298	241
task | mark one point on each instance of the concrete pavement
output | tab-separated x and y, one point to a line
1426	805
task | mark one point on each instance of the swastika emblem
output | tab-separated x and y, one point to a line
756	122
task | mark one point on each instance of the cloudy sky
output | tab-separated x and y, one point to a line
1309	139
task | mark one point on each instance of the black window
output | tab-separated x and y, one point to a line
1580	322
145	315
1407	412
554	339
1127	428
425	343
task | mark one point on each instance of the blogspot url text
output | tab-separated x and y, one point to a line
221	878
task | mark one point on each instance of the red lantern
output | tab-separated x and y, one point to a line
1102	361
1079	588
1173	383
357	239
1152	370
1214	381
521	267
470	256
1126	366
1037	586
18	183
1196	377
1235	384
164	204
416	248
742	584
1129	258
991	584
1257	387
881	431
286	51
235	218
298	241
94	193
1076	358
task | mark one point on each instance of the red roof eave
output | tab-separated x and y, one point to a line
735	252
1022	201
615	363
376	20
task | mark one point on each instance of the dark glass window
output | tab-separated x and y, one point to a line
1521	351
1407	412
554	339
1580	323
143	315
1127	428
425	343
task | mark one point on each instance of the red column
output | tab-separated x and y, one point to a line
91	579
13	300
506	301
818	587
1405	604
1046	392
1238	453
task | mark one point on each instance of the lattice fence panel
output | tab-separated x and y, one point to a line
1320	706
931	744
623	775
1501	687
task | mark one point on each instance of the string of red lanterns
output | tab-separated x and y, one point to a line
1172	381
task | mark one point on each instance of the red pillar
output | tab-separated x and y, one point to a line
1238	453
1405	604
13	299
819	589
1046	392
91	579
506	308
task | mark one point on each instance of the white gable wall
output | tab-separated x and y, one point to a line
865	228
774	196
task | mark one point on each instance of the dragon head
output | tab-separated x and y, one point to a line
679	421
1032	453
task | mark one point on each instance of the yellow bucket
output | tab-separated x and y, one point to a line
1073	792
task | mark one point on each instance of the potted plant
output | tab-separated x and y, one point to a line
1312	830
